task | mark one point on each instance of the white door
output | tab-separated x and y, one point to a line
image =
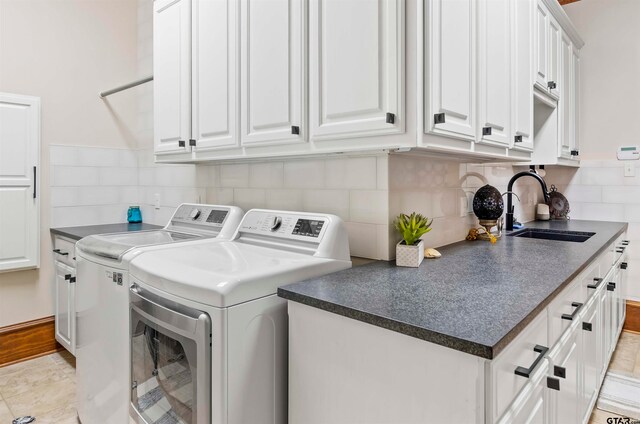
19	182
494	72
565	102
522	66
356	67
171	75
451	54
566	367
65	306
541	43
272	71
553	78
214	78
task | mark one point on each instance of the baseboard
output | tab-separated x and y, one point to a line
632	322
28	340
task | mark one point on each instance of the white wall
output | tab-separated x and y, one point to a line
66	52
609	117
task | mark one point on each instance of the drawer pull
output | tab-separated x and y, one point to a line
72	280
526	372
625	242
597	283
611	286
559	371
623	265
587	326
553	383
67	276
59	252
620	249
576	305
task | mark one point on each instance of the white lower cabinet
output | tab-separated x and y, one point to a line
65	289
531	405
591	328
565	372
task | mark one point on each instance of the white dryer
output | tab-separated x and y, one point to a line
102	296
208	332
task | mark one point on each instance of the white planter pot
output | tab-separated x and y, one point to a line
410	256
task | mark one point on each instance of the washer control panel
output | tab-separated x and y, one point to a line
204	215
285	225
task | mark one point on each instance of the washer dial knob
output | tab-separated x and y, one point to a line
276	223
195	213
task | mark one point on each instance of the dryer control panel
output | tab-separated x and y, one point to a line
286	225
205	215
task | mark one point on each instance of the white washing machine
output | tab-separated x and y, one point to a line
102	293
208	331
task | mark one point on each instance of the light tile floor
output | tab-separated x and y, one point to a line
45	387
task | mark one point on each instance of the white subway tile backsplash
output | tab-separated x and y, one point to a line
62	176
354	173
99	156
284	199
266	175
327	201
601	211
64	196
304	174
628	195
112	176
369	206
234	176
602	176
249	198
363	240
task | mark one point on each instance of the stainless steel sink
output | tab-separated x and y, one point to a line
559	235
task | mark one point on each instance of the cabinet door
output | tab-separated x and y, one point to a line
214	78
65	306
171	75
565	103
494	71
555	35
541	42
566	366
272	71
356	68
530	407
592	339
19	187
522	65
575	97
451	69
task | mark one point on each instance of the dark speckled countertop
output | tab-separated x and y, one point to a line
474	299
76	233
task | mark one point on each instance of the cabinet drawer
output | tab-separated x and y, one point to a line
64	250
565	308
522	354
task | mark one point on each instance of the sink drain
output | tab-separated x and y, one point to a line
24	420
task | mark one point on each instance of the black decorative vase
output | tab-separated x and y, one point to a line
488	206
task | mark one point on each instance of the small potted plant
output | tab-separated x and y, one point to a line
410	251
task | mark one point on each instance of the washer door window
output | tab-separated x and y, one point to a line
170	361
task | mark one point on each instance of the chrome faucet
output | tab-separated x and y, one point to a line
510	207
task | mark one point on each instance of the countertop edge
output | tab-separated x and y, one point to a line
72	232
461	345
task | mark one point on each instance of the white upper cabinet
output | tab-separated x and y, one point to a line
494	72
450	66
522	66
272	71
565	103
575	97
356	68
541	45
172	75
19	176
555	35
214	80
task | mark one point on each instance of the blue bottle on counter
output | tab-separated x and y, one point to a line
134	216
